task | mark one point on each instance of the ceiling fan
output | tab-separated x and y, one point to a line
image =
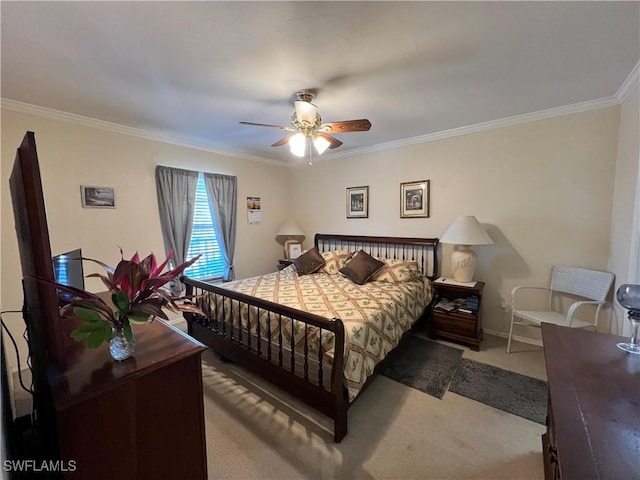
306	123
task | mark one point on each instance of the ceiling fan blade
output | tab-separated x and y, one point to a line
264	125
360	125
335	143
282	141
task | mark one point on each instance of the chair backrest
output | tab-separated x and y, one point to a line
591	284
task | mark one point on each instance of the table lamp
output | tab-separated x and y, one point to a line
464	232
289	232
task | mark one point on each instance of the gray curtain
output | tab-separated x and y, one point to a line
176	190
221	190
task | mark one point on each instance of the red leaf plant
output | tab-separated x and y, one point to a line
139	293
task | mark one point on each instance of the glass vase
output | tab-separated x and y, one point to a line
119	346
628	296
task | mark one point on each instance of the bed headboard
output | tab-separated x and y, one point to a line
423	251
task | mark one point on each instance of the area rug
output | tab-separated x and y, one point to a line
508	391
434	368
424	365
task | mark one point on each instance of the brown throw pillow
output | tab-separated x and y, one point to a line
361	267
309	262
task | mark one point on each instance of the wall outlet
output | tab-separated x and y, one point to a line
504	305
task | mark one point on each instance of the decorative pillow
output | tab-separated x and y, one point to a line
309	262
361	267
395	271
335	260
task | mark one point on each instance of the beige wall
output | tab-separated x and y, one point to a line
543	190
73	155
626	210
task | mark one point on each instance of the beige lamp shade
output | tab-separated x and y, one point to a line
465	231
289	233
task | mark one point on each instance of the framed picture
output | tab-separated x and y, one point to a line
293	249
358	202
414	199
98	197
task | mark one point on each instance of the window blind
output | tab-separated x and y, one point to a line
203	239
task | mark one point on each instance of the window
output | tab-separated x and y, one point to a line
203	239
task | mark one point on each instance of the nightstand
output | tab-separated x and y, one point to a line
284	263
462	323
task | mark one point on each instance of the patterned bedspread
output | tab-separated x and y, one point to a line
375	315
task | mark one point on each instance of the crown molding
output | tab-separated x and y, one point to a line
480	127
623	92
631	83
59	115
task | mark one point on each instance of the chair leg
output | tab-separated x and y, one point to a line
510	332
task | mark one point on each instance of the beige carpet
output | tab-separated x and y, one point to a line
255	431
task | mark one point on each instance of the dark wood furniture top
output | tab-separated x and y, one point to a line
142	418
91	371
594	399
463	328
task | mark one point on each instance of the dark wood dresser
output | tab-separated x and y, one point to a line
141	418
593	417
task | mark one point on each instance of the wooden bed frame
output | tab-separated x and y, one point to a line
304	375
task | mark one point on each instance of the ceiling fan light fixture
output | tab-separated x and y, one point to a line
298	144
321	144
306	112
306	122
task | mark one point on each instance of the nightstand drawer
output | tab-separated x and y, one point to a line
455	324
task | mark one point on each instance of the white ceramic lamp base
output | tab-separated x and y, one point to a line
463	263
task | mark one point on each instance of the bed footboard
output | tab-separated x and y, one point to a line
252	332
301	363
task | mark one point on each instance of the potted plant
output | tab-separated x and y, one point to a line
139	293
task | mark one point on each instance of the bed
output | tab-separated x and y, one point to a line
320	336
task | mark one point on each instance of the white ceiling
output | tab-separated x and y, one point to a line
190	71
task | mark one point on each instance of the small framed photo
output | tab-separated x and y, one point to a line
293	249
358	202
98	197
414	199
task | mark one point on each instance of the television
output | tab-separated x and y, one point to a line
67	269
40	309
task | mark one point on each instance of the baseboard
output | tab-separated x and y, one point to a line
517	338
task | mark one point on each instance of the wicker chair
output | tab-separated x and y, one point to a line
583	286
